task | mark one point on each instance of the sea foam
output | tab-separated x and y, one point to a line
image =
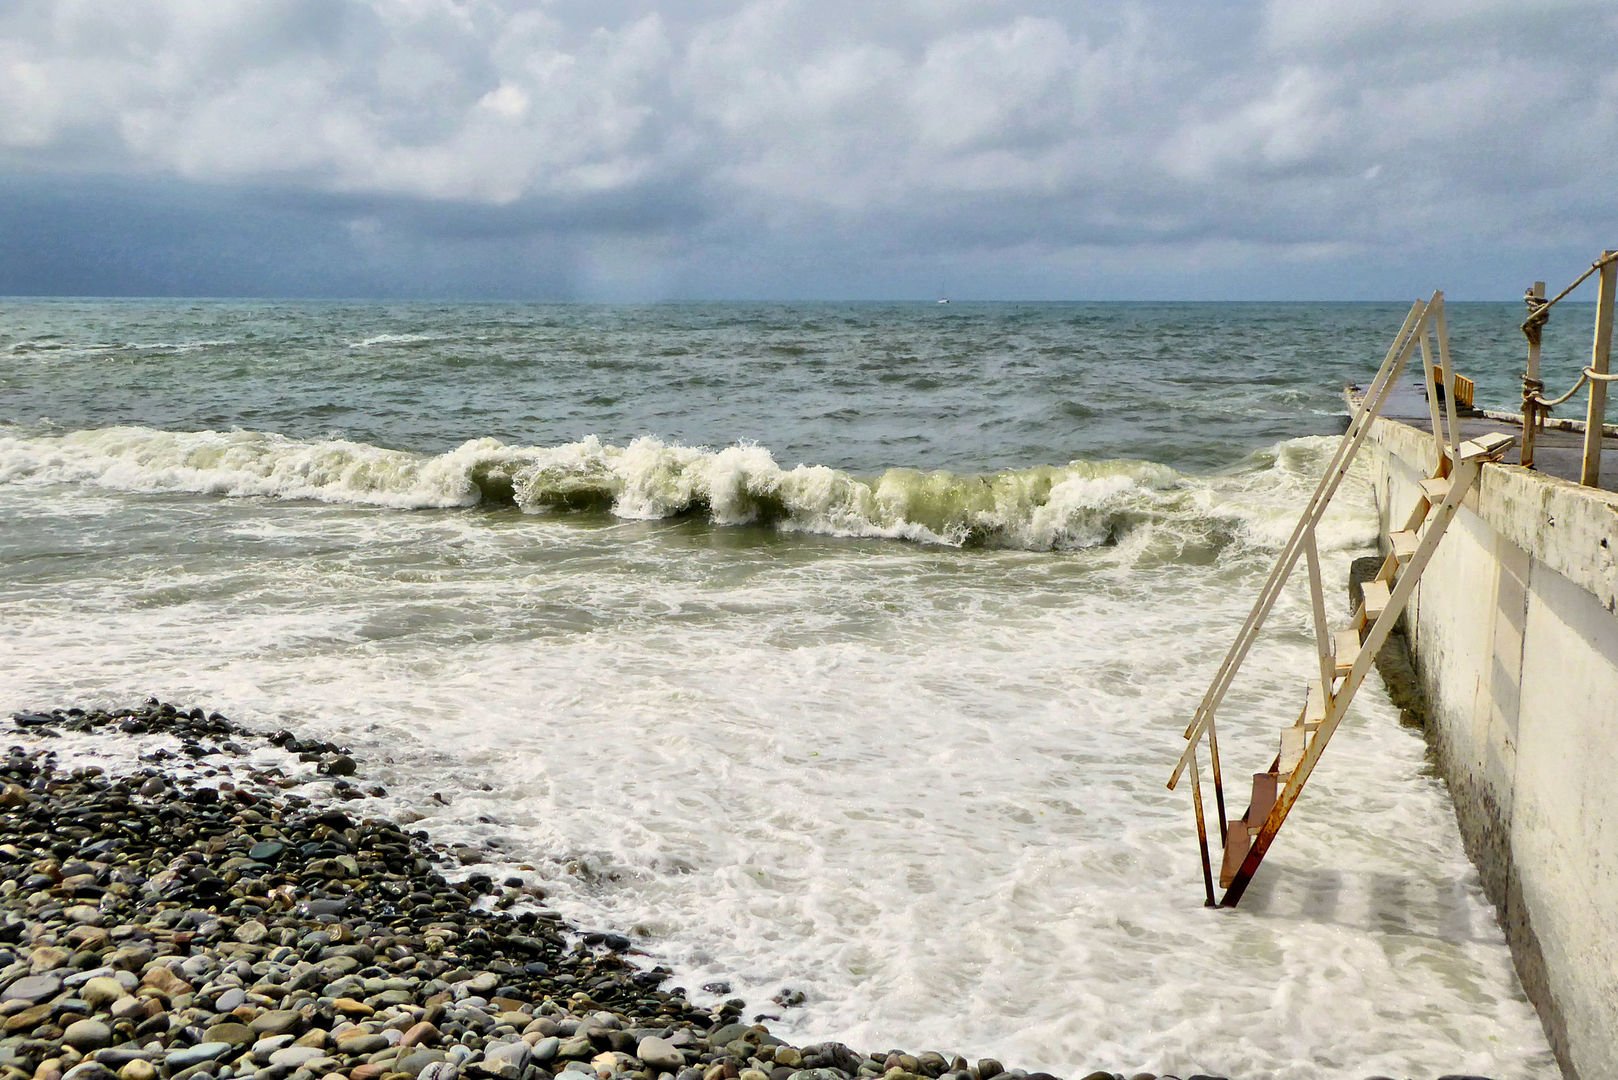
1076	505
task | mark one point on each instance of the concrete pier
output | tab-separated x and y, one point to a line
1515	639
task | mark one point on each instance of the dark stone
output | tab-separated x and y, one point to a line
341	765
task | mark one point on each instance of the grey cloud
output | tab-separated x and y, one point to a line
772	146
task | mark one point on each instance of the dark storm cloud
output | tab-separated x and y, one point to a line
789	147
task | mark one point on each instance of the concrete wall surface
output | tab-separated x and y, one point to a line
1515	638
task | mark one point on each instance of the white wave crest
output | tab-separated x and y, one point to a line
1082	504
392	339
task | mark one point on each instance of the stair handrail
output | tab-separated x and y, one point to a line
1423	317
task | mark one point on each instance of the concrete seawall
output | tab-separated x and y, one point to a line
1515	639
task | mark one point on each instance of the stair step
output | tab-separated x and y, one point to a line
1377	597
1264	789
1237	841
1434	488
1489	445
1404	544
1292	742
1314	707
1345	647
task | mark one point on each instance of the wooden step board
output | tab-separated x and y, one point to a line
1345	647
1265	787
1314	706
1434	488
1292	742
1237	841
1377	597
1404	544
1239	833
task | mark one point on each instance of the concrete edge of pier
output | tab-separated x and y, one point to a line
1514	633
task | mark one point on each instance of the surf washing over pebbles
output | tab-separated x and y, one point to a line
840	648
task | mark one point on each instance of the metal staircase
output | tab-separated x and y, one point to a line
1345	655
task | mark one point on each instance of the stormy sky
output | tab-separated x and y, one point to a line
606	150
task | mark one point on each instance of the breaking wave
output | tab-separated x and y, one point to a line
1077	505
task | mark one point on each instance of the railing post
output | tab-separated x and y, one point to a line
1531	384
1600	354
1202	828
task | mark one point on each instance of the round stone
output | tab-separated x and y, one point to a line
293	1057
660	1054
87	1035
101	991
276	1021
251	932
33	988
196	1055
234	1034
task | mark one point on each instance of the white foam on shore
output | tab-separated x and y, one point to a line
923	785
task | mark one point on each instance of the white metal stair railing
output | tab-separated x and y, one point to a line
1346	655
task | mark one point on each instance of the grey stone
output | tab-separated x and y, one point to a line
234	1034
89	1070
275	1022
33	988
659	1054
251	932
362	1042
79	978
101	990
119	1056
129	1008
196	1055
545	1050
267	851
516	1053
269	1045
415	1062
576	1048
87	1035
296	1056
231	999
335	967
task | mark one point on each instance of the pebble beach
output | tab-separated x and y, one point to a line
200	917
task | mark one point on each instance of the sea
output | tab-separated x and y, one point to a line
842	648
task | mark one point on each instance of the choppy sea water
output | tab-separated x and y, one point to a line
836	647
